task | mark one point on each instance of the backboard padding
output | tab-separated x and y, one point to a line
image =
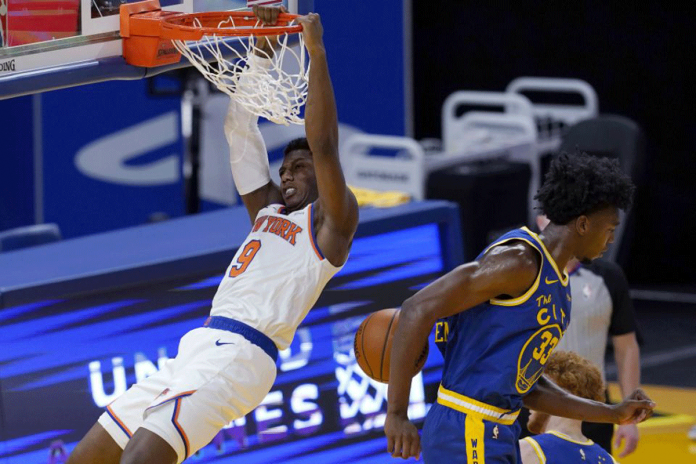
92	54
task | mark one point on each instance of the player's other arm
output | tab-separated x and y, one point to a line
505	271
248	154
249	160
548	398
337	204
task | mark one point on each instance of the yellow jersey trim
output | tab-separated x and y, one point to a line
562	276
537	449
567	438
523	298
475	408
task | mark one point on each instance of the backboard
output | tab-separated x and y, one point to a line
52	44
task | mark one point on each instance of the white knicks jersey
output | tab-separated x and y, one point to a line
276	276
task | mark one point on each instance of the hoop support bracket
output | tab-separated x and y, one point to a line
141	31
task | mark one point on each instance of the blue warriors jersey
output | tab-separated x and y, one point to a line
495	352
553	447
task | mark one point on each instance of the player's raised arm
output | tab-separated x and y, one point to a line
248	154
505	270
337	206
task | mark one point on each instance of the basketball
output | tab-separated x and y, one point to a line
373	342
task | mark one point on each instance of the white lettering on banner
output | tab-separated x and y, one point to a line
290	361
96	382
301	406
143	369
269	416
359	394
289	409
105	158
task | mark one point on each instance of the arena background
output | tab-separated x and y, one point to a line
66	344
638	61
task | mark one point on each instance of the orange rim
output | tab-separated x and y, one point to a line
183	26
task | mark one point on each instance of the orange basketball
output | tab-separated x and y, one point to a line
373	342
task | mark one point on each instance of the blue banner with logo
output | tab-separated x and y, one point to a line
111	157
322	408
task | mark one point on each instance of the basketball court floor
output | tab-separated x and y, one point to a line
668	357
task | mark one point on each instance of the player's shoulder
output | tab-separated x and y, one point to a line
519	243
518	254
511	267
531	452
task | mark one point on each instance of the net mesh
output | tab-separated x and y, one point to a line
275	84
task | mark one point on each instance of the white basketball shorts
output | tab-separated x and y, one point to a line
216	377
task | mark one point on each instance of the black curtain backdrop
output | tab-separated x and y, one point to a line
639	57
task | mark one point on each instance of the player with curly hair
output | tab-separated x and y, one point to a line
498	319
580	185
563	440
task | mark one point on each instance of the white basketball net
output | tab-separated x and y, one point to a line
273	87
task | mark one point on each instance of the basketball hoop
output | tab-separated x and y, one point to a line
223	47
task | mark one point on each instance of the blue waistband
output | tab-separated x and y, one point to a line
248	332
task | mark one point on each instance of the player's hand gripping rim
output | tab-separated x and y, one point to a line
403	440
268	15
312	32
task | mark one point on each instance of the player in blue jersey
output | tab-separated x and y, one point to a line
563	440
497	320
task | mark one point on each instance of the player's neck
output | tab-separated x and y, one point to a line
569	427
299	207
558	241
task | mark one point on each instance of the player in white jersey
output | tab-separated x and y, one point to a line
301	236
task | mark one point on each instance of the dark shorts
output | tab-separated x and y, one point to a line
453	436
